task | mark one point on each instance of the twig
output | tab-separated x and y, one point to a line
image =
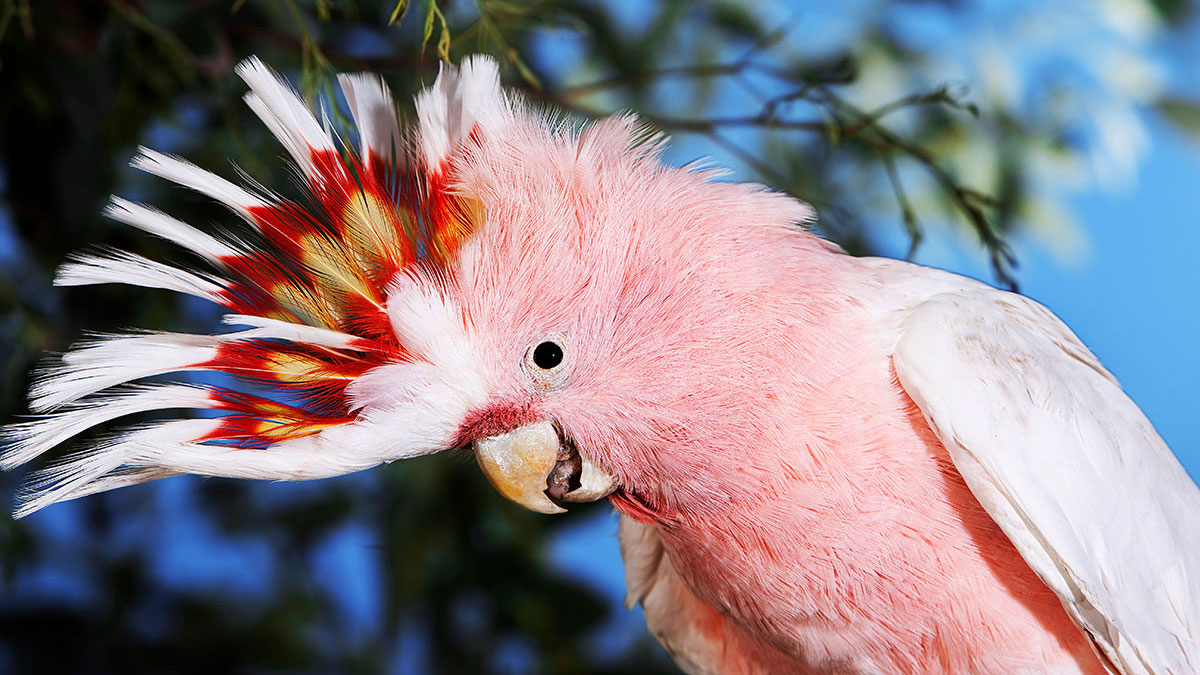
966	199
750	160
620	82
770	39
906	211
707	125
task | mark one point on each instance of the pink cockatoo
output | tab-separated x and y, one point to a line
823	464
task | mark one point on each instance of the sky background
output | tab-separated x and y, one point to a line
1127	285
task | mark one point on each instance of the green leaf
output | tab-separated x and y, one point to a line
736	19
429	13
514	57
398	12
443	45
1183	113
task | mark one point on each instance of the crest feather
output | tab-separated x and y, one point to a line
313	290
288	118
183	172
113	360
160	224
122	267
374	111
461	102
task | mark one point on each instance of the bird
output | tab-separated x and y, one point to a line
821	463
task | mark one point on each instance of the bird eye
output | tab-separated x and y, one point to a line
548	362
547	355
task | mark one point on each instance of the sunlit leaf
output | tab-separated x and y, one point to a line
1183	113
398	12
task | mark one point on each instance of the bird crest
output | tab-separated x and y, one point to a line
312	291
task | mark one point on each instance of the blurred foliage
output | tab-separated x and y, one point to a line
1184	113
464	583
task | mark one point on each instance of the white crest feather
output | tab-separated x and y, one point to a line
183	172
49	486
265	328
374	111
28	440
169	448
106	466
122	267
160	224
288	118
460	101
117	360
333	452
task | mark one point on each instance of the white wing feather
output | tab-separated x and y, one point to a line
1068	466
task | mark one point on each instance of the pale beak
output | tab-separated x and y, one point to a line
533	463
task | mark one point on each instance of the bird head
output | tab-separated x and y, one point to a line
582	317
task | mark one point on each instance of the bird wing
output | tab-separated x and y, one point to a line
1069	468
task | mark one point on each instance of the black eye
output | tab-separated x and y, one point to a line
547	355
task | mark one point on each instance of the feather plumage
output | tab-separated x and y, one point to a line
314	294
1080	514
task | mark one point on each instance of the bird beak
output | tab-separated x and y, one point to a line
536	465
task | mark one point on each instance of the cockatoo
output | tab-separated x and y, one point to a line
822	463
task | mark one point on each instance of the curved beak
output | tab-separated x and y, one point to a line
536	465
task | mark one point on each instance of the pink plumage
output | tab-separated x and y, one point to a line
823	463
746	401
